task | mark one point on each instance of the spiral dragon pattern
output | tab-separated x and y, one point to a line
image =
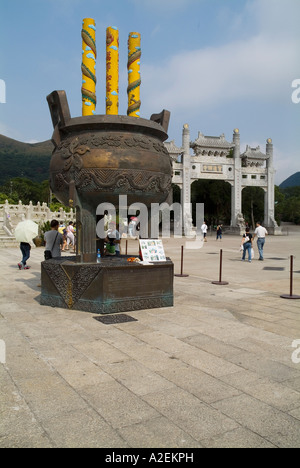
134	74
112	71
88	67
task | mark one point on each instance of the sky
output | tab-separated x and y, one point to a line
214	64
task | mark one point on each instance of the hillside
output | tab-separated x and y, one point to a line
29	160
292	181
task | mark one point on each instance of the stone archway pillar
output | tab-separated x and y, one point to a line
186	182
236	189
269	220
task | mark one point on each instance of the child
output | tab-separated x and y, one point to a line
110	245
113	240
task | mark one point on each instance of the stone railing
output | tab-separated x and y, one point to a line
11	215
7	226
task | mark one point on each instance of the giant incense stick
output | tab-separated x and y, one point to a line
134	74
112	71
88	66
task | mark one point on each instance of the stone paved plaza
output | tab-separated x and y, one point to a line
216	370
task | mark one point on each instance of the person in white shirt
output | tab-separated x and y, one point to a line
261	234
204	230
70	235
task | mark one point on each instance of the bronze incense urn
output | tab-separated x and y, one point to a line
100	157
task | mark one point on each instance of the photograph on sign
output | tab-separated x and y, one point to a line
152	250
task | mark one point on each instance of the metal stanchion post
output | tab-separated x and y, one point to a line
291	295
181	271
220	282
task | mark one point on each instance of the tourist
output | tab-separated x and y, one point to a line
204	231
53	239
25	249
74	233
113	239
62	230
110	247
247	245
70	235
261	234
219	232
132	227
61	227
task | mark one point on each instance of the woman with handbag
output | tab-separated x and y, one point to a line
53	241
247	245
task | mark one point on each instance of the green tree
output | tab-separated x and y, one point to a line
253	203
280	201
4	197
216	196
23	189
287	204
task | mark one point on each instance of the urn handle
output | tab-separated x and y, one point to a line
163	119
59	108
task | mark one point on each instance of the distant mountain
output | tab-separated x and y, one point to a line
30	160
292	181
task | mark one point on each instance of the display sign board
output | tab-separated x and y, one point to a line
212	168
152	250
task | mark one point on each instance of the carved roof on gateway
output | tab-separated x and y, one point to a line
254	153
211	141
172	148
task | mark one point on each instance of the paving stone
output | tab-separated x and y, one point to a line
276	426
215	370
238	438
190	414
158	433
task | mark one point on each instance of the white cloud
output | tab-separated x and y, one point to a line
260	66
256	68
33	141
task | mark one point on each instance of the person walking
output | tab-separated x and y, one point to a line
204	231
25	232
53	239
25	249
261	233
247	245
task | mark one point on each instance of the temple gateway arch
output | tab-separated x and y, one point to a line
214	158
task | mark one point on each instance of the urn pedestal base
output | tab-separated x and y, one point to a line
112	286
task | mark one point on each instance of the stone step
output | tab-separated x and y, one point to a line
5	236
9	246
6	241
3	233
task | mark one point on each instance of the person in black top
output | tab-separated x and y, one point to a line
219	232
247	245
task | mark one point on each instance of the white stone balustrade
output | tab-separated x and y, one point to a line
11	215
